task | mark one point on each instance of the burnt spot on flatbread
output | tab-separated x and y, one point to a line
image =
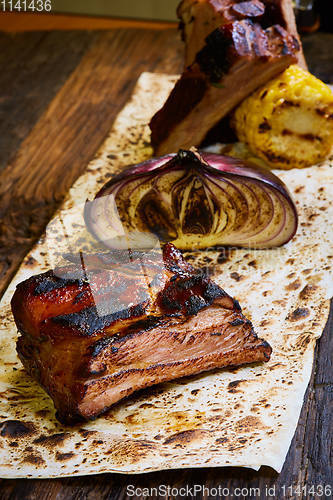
61	457
265	322
307	271
221	258
275	366
52	440
146	405
16	429
131	451
33	458
313	216
303	341
97	441
222	440
307	292
298	314
185	437
30	261
232	386
249	424
235	276
294	285
85	433
194	392
281	303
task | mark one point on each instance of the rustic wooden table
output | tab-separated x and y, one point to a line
59	94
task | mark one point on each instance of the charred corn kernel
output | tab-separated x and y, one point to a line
289	121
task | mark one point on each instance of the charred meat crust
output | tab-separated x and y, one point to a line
88	362
89	320
199	18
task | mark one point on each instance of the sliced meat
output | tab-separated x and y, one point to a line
236	60
87	361
199	18
215	337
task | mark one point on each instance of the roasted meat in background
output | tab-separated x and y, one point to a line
170	321
199	18
236	60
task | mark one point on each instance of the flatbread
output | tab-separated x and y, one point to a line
240	417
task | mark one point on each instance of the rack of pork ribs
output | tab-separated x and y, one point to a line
91	335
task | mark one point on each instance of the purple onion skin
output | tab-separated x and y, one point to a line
136	170
225	164
217	165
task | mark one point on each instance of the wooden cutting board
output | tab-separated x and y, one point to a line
59	94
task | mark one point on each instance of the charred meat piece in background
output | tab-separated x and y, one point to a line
236	60
87	361
199	18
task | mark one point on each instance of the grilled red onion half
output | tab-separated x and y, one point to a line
195	200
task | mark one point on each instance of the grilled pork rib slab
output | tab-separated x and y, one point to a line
199	18
184	324
236	60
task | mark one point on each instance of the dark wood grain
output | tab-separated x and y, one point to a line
30	78
52	121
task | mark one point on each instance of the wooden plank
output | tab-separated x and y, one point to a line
18	22
31	78
70	131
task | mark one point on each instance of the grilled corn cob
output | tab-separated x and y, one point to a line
289	121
